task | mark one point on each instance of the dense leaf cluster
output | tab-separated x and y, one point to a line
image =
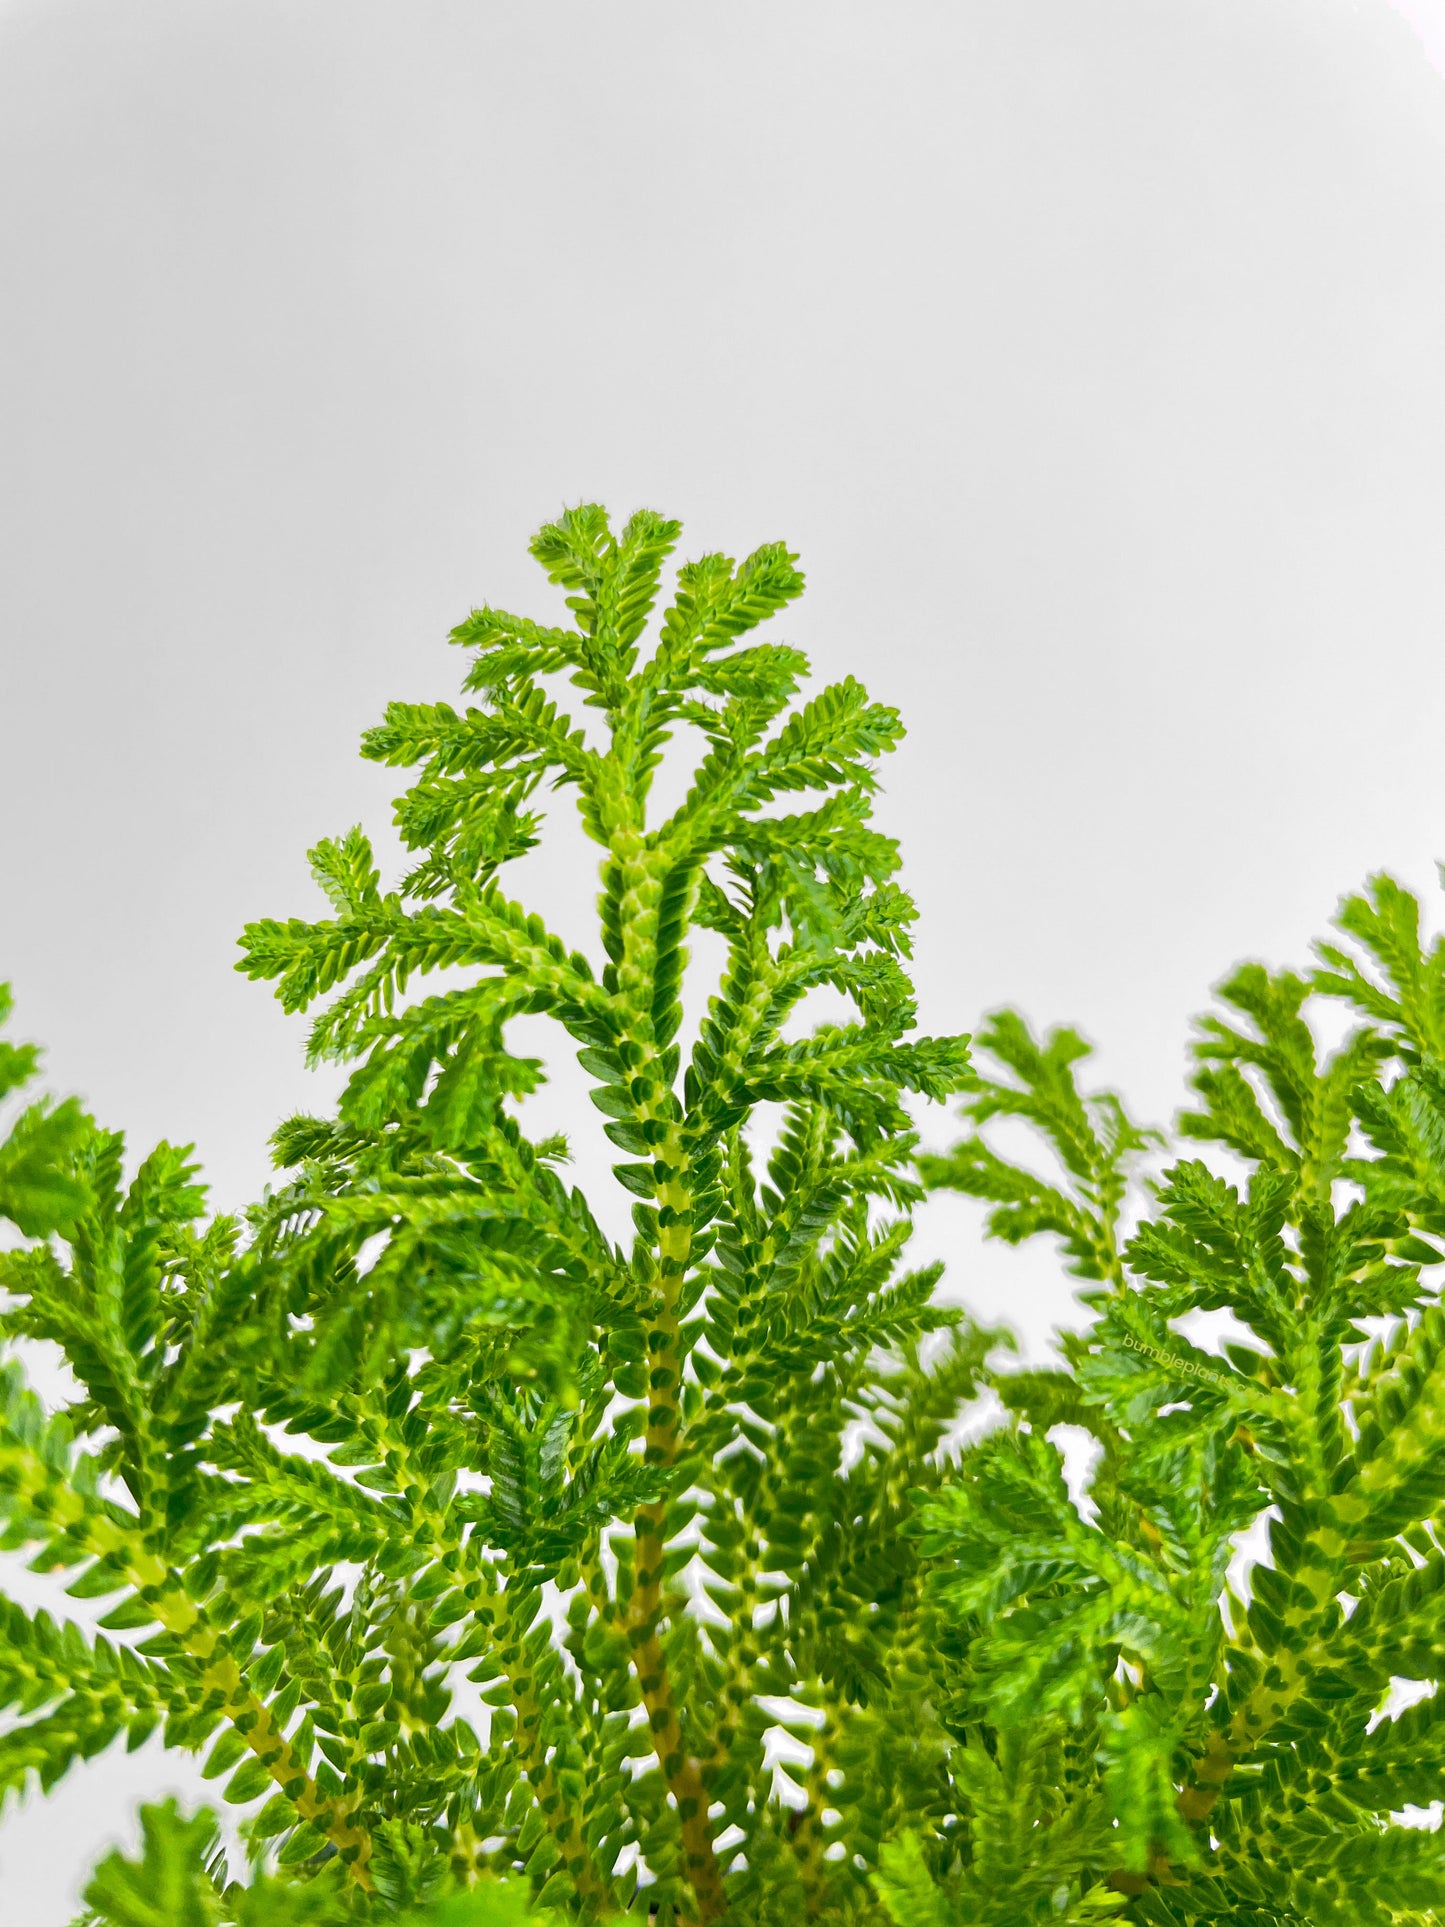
1184	1672
462	1540
493	1565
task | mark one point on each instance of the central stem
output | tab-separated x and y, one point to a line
641	876
680	1768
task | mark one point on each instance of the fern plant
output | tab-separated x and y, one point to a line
179	1881
464	1541
1149	1726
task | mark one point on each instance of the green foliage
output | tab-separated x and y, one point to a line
39	1189
181	1880
170	1886
1091	1137
485	1558
464	1542
1220	1752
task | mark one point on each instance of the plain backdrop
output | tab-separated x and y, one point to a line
1089	351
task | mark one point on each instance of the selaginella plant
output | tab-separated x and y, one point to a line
1149	1725
416	1435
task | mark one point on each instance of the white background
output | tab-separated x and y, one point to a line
1090	352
